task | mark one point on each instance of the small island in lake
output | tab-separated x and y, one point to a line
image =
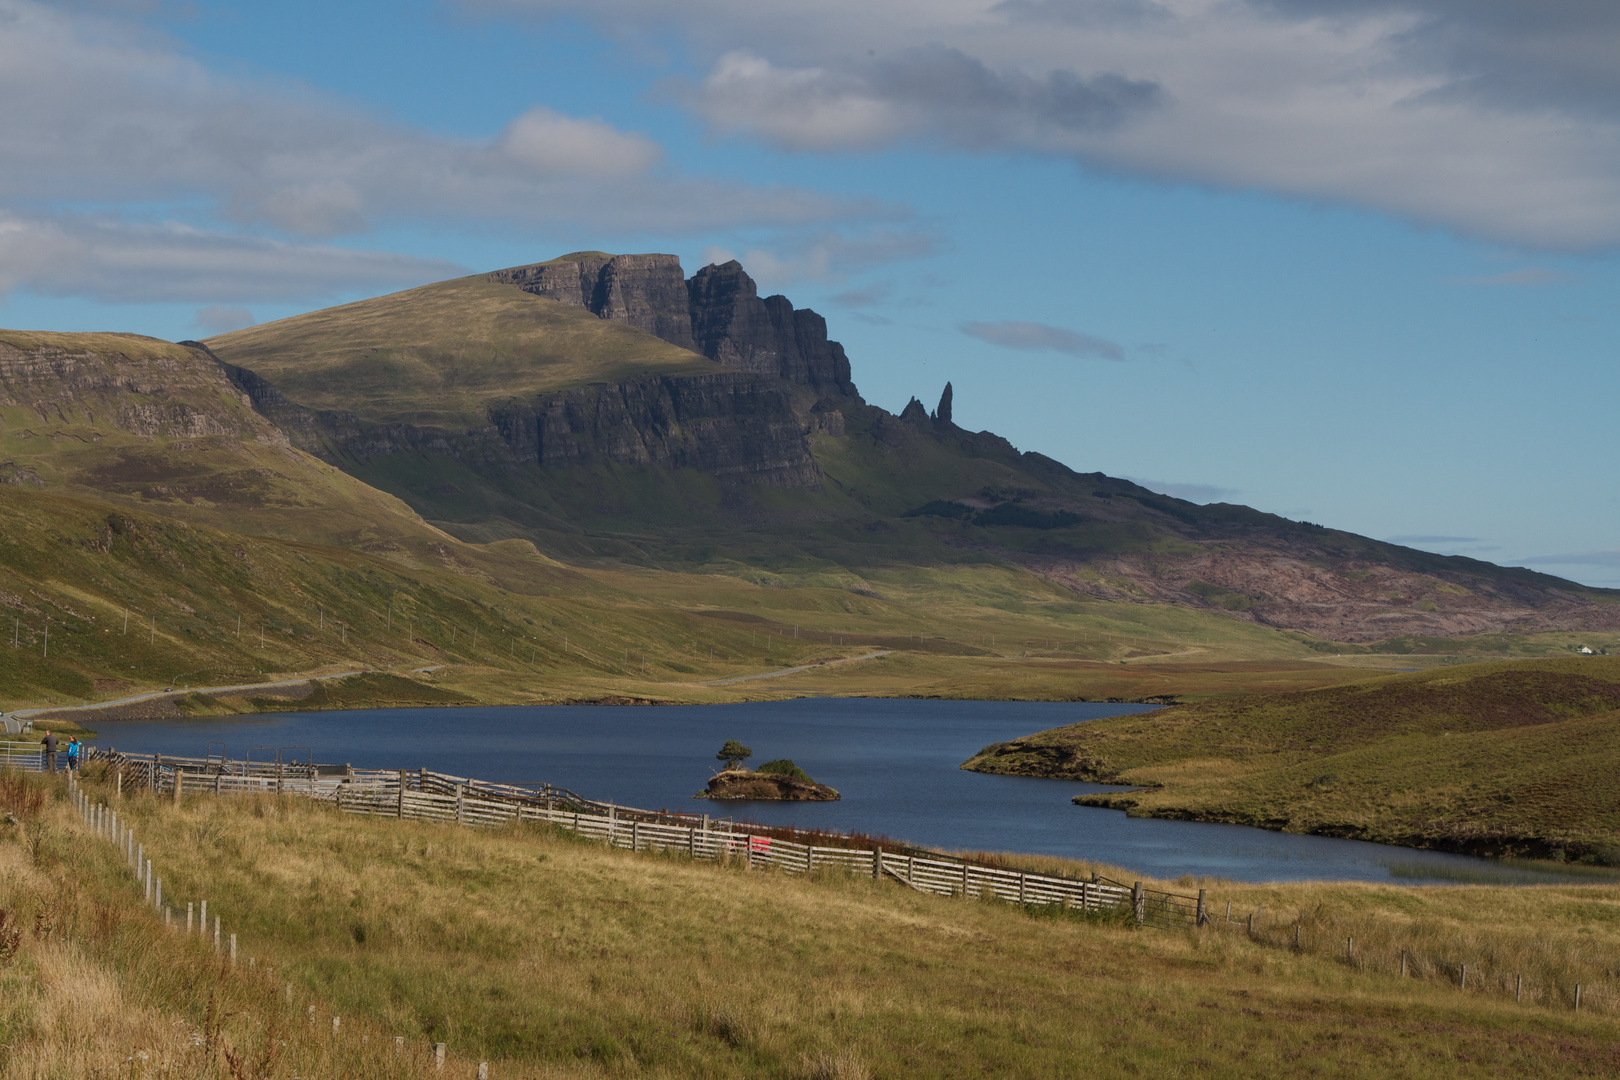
780	779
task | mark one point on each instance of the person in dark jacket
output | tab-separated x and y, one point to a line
49	742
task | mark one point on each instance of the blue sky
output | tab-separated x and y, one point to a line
1349	262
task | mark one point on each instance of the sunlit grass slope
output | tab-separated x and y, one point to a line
1500	758
436	355
549	957
146	423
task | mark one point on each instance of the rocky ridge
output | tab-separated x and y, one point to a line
717	312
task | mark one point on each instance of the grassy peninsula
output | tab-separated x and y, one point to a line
549	957
1509	758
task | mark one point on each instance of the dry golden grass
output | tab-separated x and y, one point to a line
552	957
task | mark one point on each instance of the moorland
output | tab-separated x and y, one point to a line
546	956
594	479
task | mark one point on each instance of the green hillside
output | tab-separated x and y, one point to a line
437	355
1500	758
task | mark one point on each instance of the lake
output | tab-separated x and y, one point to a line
894	761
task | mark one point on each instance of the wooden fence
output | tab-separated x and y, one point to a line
424	795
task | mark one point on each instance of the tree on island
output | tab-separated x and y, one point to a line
733	754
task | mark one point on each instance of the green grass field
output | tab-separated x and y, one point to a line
437	355
547	956
1519	757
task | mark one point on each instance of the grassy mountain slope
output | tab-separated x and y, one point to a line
435	356
1502	758
143	423
897	495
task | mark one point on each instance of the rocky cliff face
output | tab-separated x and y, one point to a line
718	312
733	326
729	424
732	425
646	291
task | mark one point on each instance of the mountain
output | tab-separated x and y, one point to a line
617	413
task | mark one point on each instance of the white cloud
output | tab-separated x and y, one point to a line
556	145
1496	118
1035	337
99	112
113	262
824	256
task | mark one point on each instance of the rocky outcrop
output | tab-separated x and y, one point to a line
718	313
646	291
735	426
742	784
733	326
730	425
129	383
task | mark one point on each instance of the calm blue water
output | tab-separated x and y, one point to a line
894	762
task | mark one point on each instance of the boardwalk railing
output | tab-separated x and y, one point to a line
424	795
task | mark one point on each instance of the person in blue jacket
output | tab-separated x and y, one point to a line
73	755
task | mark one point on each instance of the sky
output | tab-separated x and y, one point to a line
1355	262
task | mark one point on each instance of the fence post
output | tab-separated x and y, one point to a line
964	879
216	935
233	950
691	843
1518	989
461	791
438	1055
877	864
1577	997
1203	910
635	836
1139	903
1022	883
399	812
157	763
179	781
